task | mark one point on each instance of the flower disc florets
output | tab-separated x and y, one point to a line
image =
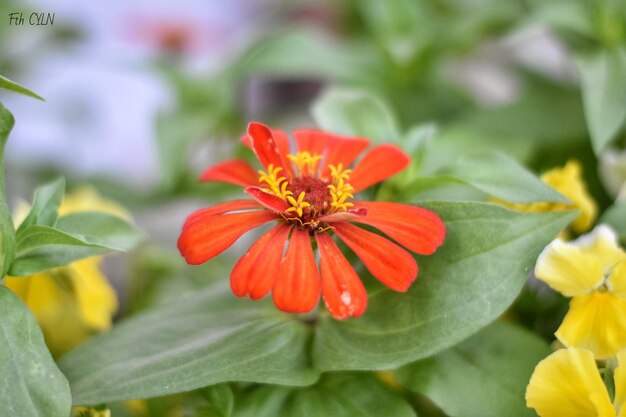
309	197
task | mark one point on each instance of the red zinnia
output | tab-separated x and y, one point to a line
309	194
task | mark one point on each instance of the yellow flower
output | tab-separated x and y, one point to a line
592	270
567	181
75	301
567	384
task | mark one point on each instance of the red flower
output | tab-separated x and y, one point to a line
310	196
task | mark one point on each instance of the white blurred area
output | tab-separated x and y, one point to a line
103	91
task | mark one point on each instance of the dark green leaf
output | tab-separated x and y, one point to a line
356	113
477	273
30	382
486	375
101	229
7	232
44	210
16	88
604	92
203	339
336	395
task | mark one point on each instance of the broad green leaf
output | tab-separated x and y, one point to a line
76	236
7	232
16	88
45	207
615	216
356	113
202	339
493	173
336	395
603	87
486	375
477	273
30	382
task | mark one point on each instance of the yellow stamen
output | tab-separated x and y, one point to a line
305	162
340	190
275	184
297	205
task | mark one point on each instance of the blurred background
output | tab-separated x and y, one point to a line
142	95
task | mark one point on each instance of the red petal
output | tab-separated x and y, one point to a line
297	288
203	239
266	147
266	199
343	291
311	141
416	228
380	163
342	150
236	172
221	209
282	142
388	262
255	272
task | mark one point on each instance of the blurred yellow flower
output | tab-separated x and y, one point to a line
568	384
567	181
592	270
75	301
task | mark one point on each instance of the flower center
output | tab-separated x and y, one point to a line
308	195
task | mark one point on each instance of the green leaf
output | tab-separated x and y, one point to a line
486	375
477	273
16	88
7	232
76	236
203	339
615	216
30	382
45	207
356	113
604	93
220	401
493	173
336	395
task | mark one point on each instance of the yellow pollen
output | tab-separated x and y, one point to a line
305	162
275	184
340	190
297	205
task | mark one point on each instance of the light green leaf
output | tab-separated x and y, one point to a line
101	229
493	173
615	216
477	273
298	53
76	236
336	395
356	113
603	87
16	88
30	382
7	232
45	207
203	339
486	375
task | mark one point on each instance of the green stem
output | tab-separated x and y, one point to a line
7	238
